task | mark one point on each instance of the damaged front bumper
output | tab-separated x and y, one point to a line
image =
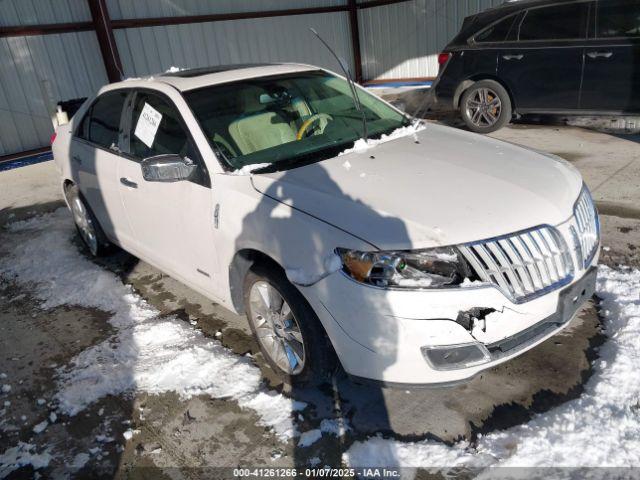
437	338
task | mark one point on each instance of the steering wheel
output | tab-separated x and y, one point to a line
322	118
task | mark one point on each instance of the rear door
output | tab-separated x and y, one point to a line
172	222
542	67
612	59
94	162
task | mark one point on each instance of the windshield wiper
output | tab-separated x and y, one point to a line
352	85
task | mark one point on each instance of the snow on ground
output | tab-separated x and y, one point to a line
148	353
601	428
158	354
22	455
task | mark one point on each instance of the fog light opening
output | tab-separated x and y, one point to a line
452	357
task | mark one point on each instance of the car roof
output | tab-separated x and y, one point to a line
522	4
476	22
190	79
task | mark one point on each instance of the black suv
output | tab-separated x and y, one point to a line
545	57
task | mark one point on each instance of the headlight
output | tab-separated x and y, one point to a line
430	268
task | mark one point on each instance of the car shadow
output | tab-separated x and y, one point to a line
336	399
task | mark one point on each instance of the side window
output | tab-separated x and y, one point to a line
496	33
618	18
560	22
101	124
156	129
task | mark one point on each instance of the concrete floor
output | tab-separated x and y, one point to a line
203	432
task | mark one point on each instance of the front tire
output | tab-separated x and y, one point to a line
289	333
86	223
486	107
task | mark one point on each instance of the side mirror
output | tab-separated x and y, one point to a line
167	168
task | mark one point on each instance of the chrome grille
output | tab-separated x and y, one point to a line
523	265
587	236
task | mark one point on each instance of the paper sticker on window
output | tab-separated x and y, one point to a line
148	124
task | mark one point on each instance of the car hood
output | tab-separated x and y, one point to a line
438	187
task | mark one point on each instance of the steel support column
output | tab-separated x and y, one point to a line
106	40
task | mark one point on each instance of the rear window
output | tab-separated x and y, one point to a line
560	22
101	124
618	18
496	33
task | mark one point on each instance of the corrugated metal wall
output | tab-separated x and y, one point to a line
150	50
37	71
119	9
402	40
397	41
33	12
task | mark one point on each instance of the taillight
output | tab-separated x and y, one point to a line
53	137
443	58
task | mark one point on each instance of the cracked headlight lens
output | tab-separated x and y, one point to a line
430	268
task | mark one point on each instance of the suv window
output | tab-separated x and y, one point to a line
497	32
560	22
101	124
618	18
168	136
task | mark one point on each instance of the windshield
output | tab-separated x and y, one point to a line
288	117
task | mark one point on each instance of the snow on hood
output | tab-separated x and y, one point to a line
362	145
441	186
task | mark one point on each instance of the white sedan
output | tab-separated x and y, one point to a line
418	255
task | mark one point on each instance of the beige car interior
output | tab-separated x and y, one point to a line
261	127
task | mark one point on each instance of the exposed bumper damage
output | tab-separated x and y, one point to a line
385	335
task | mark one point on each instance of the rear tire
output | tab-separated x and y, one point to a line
87	224
486	107
289	333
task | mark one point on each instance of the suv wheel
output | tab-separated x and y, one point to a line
86	223
485	107
289	333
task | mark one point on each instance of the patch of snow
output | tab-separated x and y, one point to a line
249	169
334	427
41	401
331	263
309	437
22	455
147	353
128	434
467	283
601	428
53	417
362	145
314	461
41	427
79	461
173	69
6	388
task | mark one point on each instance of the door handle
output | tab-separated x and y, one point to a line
599	54
128	183
77	159
518	56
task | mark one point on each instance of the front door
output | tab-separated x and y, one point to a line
542	67
94	163
172	222
612	59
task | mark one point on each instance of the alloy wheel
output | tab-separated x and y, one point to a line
276	327
85	225
484	108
